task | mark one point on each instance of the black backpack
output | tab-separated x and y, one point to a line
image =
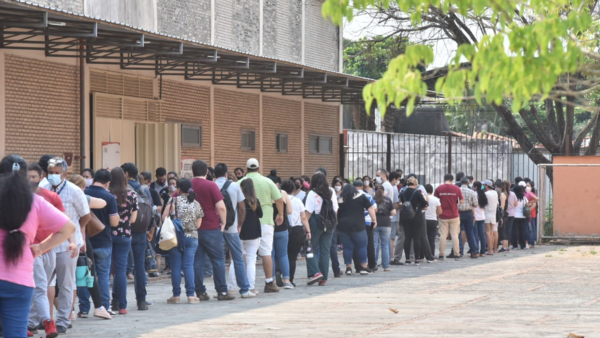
228	205
144	220
407	212
326	219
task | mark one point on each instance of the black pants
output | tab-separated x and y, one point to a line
333	254
432	234
94	291
412	234
423	238
295	242
370	252
519	235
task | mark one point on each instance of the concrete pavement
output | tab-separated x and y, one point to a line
549	291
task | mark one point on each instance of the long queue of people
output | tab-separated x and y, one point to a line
64	235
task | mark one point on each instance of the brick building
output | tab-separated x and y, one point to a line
168	80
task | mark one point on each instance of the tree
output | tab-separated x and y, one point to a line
369	57
516	55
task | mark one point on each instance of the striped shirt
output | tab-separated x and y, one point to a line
267	193
470	200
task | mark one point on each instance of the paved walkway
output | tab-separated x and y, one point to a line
546	292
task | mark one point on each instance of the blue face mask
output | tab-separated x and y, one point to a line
54	179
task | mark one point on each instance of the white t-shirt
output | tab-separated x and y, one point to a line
314	202
295	217
301	195
479	214
389	190
519	207
510	208
490	208
237	196
431	212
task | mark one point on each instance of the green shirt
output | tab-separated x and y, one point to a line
266	192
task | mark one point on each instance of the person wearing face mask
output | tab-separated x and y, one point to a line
88	175
161	180
337	186
239	173
368	186
78	210
532	222
298	191
167	192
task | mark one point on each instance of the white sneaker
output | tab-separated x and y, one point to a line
102	313
248	294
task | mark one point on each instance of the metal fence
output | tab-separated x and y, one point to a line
427	156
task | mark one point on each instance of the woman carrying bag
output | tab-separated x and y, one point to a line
187	210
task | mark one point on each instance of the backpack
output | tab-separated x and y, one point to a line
144	220
228	205
326	219
407	212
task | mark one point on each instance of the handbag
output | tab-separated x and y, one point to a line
171	233
94	226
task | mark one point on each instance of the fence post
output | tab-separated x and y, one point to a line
388	155
342	155
449	154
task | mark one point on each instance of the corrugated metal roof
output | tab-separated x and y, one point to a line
198	43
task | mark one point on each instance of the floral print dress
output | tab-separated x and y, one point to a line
125	211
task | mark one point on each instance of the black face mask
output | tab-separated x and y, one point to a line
34	185
296	186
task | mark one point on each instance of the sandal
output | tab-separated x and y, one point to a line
193	300
173	300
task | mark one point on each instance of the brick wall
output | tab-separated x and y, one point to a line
323	120
75	6
188	103
41	116
322	49
282	29
238	24
189	19
287	164
234	111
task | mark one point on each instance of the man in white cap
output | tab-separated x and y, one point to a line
268	193
491	224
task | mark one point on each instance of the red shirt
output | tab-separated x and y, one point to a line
54	199
449	195
530	197
208	194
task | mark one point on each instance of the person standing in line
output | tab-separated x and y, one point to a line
335	239
161	180
532	229
267	193
88	175
450	195
395	217
368	186
490	214
459	176
520	230
190	213
210	234
414	228
102	241
509	219
431	217
239	173
385	209
279	254
78	211
466	212
231	233
369	227
127	202
250	233
299	230
479	211
318	266
298	188
23	216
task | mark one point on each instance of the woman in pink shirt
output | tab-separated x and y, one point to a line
22	216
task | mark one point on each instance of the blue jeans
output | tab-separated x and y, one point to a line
280	254
15	302
237	256
479	234
466	223
130	261
183	260
321	243
333	253
384	234
532	231
350	240
138	245
210	242
120	251
102	258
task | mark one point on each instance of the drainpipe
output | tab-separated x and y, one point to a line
82	104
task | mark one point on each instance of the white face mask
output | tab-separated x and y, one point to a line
528	189
338	188
366	182
378	179
55	179
88	182
172	188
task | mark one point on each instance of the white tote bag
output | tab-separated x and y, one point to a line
168	237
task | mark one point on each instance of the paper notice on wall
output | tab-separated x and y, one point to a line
186	168
111	155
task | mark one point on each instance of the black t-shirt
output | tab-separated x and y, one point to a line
417	201
286	222
155	198
351	214
384	211
252	228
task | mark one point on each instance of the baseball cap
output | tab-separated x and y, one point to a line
488	183
522	184
252	164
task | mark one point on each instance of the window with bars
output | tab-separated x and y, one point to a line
248	140
320	144
191	136
281	143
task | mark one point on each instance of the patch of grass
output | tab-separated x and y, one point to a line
548	255
563	249
593	250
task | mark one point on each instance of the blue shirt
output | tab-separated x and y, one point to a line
368	219
103	239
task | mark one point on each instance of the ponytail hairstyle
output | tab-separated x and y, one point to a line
16	198
481	197
379	195
185	187
249	193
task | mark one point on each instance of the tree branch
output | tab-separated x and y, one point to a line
593	122
552	120
538	130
